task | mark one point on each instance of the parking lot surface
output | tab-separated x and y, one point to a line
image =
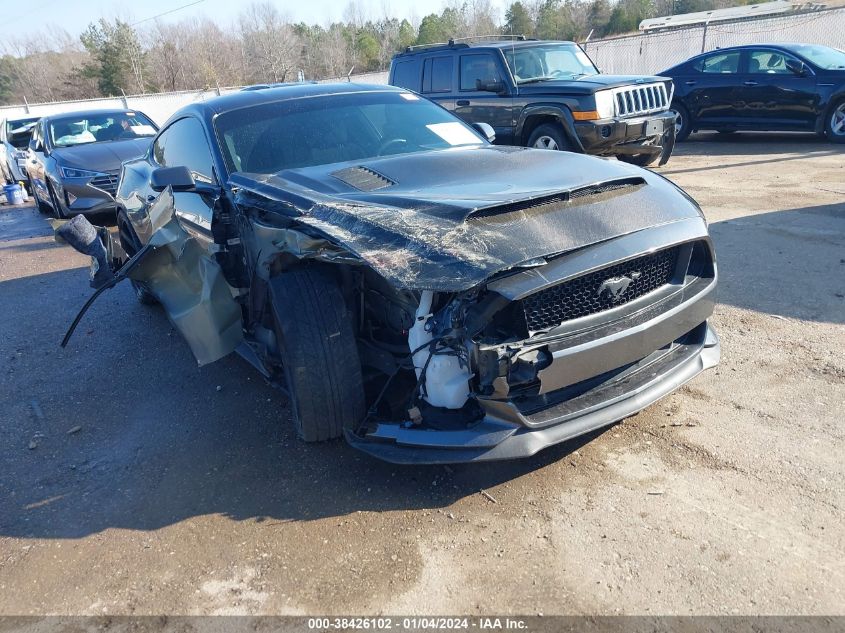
133	482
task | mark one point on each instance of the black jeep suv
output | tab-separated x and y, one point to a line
544	94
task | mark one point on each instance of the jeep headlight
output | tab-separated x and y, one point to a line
604	104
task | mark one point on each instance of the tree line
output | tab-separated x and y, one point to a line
114	57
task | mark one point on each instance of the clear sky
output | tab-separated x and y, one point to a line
74	15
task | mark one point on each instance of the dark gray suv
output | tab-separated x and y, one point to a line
543	94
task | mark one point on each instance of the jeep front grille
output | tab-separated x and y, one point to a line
637	100
599	290
106	182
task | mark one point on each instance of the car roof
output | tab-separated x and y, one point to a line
454	45
89	113
258	95
519	43
789	46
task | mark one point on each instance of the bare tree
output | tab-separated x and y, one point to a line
269	44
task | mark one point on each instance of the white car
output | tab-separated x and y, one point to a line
14	139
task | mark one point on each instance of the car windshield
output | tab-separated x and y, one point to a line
19	131
328	129
822	56
548	61
102	127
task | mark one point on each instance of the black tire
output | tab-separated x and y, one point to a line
684	126
43	207
643	160
319	353
54	202
549	136
835	114
131	245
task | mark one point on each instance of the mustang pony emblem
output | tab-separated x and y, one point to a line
616	286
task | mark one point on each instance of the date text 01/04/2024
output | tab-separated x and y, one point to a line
415	623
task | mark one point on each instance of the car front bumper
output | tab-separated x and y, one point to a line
84	196
653	134
495	439
596	369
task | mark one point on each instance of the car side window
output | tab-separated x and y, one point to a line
158	147
477	70
720	63
36	134
183	143
768	62
437	74
406	74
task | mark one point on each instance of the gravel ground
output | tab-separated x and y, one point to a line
133	482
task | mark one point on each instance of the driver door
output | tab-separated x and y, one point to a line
772	96
474	105
181	269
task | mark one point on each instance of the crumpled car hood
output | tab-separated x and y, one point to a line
448	220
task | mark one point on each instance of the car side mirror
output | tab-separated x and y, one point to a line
177	178
497	86
486	130
797	68
35	145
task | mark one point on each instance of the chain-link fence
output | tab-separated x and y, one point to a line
650	53
158	106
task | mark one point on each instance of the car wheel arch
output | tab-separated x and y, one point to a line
835	101
534	116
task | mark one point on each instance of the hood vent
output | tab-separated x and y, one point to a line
605	187
363	178
588	194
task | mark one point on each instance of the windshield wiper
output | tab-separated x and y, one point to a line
533	80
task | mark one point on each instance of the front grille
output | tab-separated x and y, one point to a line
106	182
636	100
600	290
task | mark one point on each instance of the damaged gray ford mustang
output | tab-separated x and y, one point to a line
428	295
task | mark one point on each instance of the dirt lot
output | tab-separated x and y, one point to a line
134	482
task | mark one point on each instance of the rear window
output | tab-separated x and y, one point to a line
406	74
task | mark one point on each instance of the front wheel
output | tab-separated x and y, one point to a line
549	136
54	202
835	124
683	123
43	207
319	353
